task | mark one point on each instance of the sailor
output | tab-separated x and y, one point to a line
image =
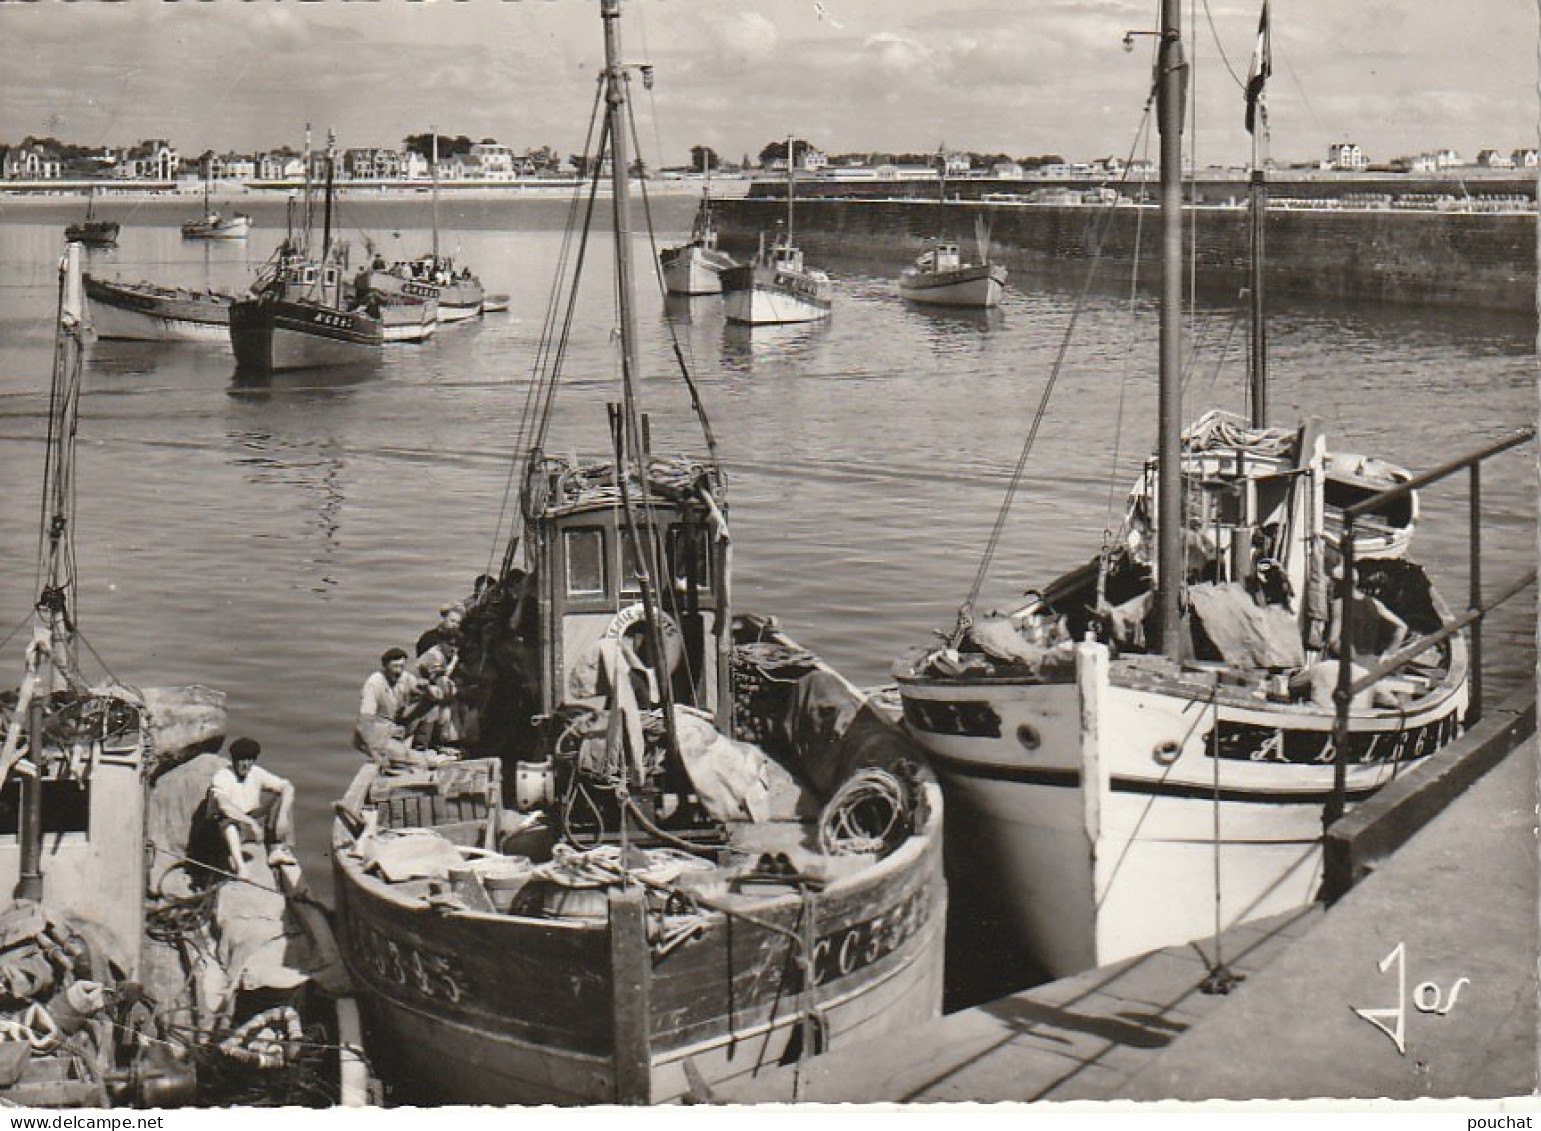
451	616
379	732
250	803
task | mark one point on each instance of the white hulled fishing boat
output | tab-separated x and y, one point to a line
695	267
149	312
1145	750
677	848
777	286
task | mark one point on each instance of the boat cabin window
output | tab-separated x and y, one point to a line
329	277
66	807
585	554
308	276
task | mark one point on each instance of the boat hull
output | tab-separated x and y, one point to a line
93	233
234	228
759	295
693	270
271	335
157	314
978	286
409	322
1088	806
458	301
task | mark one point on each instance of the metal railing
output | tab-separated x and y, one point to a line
1477	609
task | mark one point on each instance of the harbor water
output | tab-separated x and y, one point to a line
271	538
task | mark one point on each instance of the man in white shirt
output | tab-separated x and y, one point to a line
250	803
382	703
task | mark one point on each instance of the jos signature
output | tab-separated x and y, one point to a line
1427	998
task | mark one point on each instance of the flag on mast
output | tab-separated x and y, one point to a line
1262	67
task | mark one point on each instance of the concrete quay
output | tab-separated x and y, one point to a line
1419	983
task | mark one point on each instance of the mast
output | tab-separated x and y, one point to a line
326	230
632	443
310	204
435	172
791	177
1171	74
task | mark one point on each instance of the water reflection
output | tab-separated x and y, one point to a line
743	346
951	321
315	466
335	378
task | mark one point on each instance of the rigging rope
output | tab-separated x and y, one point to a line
965	613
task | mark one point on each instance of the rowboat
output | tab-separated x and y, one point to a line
144	311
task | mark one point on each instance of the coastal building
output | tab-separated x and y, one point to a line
281	165
1524	158
31	162
153	160
1493	159
493	162
1346	155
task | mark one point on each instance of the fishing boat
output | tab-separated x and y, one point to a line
302	313
695	267
940	277
133	974
1146	750
675	847
91	231
407	319
149	312
214	225
776	286
458	293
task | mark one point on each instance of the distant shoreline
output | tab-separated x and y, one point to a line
233	196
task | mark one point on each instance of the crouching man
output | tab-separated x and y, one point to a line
250	803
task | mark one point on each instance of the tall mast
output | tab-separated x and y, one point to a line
435	171
791	178
1171	74
309	198
326	230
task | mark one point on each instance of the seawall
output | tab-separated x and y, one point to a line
1483	259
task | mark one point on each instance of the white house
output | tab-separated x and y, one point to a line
492	162
31	163
1493	159
1346	155
153	160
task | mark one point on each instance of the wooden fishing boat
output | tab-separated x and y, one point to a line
1147	750
407	320
91	231
644	877
150	312
695	267
133	974
458	293
939	277
213	225
777	286
302	314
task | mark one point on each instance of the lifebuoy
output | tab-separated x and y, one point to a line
673	640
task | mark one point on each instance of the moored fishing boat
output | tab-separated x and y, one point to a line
302	313
457	293
408	320
1147	749
144	311
91	231
777	286
214	225
122	984
678	848
695	267
940	277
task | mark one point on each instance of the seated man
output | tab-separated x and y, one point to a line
250	803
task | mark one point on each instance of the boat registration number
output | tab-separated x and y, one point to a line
850	948
327	318
401	964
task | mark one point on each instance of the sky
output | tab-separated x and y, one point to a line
1021	77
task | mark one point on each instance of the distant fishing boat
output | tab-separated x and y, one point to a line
939	277
302	314
695	267
458	293
150	312
139	972
678	849
91	231
213	225
777	286
408	320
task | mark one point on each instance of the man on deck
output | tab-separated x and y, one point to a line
250	803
